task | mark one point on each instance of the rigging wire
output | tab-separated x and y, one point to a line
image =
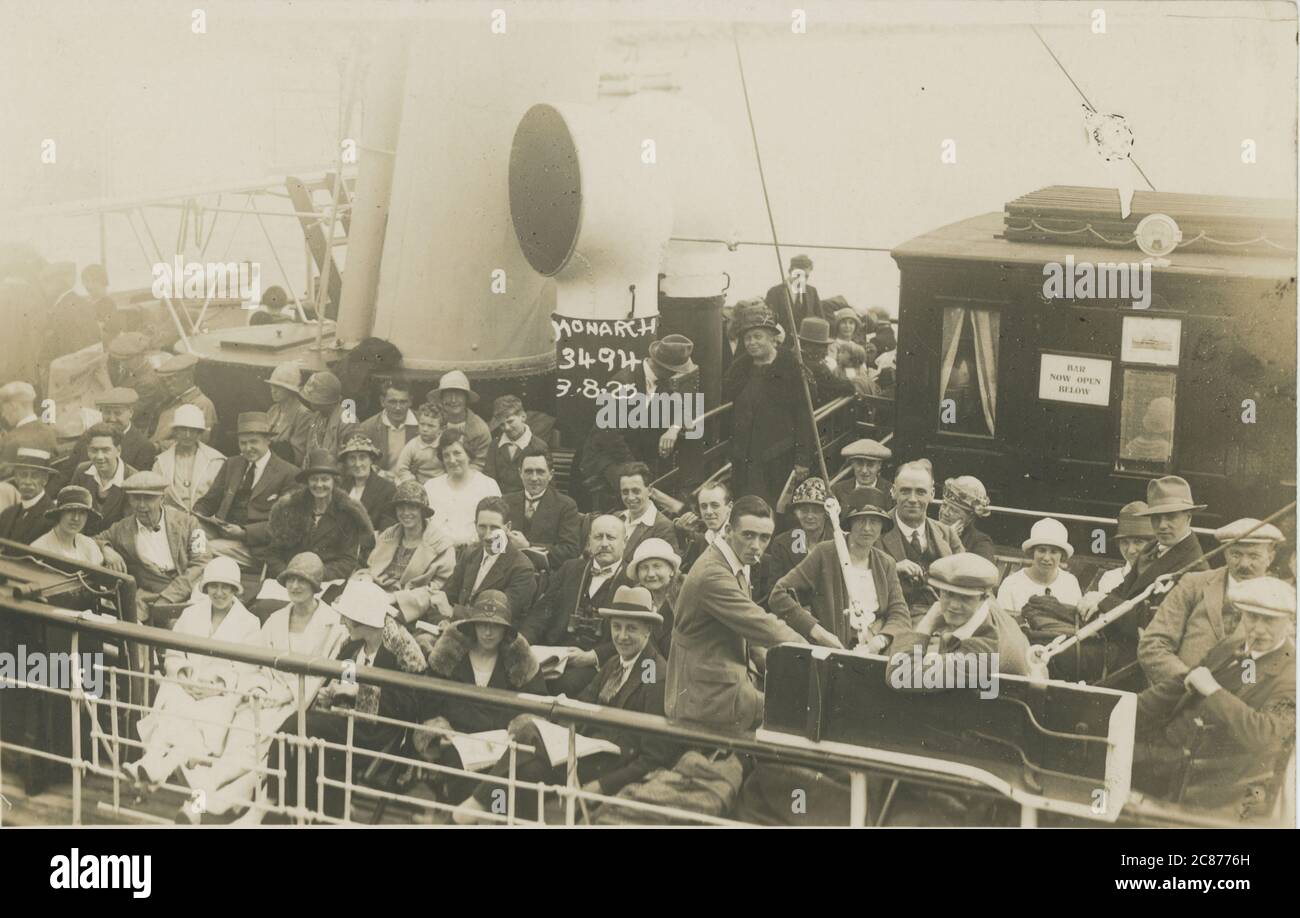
1084	97
780	264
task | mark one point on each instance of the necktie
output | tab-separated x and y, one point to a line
613	682
246	483
512	451
914	550
530	507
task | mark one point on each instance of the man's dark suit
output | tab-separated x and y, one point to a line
1146	569
556	524
940	541
549	621
26	526
277	479
809	304
512	574
506	472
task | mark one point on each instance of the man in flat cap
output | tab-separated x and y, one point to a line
129	368
806	302
866	456
1217	736
1195	614
1169	507
964	620
177	373
118	406
238	505
25	521
163	549
18	416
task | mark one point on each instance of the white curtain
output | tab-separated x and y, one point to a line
984	322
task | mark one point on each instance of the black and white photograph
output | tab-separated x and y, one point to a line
616	414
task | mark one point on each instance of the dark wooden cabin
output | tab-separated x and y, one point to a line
1072	405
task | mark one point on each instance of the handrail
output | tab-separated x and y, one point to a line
1072	517
561	711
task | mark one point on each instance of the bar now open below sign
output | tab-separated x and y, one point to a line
1080	380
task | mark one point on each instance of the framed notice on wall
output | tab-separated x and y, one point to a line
1153	341
1078	380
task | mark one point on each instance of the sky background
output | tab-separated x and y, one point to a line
850	116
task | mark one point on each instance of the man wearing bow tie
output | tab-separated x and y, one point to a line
164	551
1217	736
568	615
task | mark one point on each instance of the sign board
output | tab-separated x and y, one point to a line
1078	380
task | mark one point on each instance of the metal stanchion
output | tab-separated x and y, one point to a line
74	698
857	798
347	769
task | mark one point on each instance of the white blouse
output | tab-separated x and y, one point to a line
454	505
1019	588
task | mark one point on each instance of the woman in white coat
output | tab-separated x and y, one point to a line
190	716
306	626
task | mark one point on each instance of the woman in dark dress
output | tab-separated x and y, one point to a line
771	430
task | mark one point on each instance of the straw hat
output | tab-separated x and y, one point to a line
360	443
632	602
1051	532
31	457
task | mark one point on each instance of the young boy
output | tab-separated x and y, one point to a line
419	459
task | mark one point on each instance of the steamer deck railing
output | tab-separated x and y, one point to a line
95	774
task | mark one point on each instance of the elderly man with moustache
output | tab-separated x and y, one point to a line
916	541
238	505
718	623
164	550
1234	712
568	616
544	523
26	521
1195	615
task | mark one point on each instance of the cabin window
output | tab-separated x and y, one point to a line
1146	424
968	376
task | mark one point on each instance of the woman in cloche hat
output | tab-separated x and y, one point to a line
413	558
190	717
1048	546
819	582
72	509
362	482
793	545
480	646
655	567
307	626
321	518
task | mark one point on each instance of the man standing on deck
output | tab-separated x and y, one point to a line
709	679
